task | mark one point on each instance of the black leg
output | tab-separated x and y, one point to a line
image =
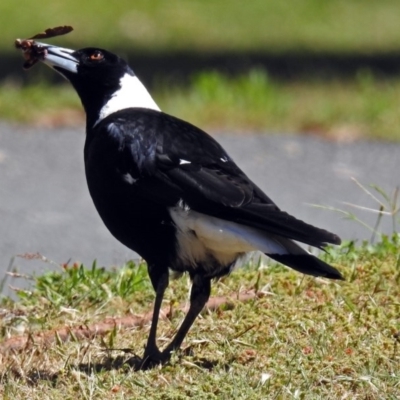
159	280
199	296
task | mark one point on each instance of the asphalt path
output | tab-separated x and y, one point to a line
45	206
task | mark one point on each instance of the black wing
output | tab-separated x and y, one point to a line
172	160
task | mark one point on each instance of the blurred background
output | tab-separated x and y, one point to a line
224	64
305	94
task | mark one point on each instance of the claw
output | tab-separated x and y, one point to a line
154	357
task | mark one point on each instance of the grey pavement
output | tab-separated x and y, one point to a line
45	206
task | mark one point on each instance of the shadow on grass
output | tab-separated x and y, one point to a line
129	364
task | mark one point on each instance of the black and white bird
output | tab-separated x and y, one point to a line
170	192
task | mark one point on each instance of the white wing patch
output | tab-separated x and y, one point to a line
181	162
129	178
200	236
131	93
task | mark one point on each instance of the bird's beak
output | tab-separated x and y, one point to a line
59	58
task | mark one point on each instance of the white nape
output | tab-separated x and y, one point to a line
131	93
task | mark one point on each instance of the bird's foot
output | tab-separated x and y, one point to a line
154	357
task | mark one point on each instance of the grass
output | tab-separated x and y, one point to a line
304	338
360	108
40	104
223	25
365	107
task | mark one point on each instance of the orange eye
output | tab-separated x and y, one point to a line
96	56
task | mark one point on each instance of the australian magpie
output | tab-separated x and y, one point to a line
170	192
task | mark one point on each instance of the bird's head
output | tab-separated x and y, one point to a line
104	82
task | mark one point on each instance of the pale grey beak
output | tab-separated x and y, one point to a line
60	58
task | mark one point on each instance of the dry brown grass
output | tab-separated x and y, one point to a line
304	338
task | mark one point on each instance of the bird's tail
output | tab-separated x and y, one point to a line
299	259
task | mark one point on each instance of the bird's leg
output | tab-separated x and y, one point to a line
160	283
199	296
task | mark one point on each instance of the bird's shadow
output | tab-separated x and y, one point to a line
135	363
109	363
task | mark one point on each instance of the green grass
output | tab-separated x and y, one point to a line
360	108
346	110
262	25
40	104
304	338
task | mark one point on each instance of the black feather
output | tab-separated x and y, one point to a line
150	147
308	264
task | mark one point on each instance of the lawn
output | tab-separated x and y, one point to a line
298	338
212	26
364	108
